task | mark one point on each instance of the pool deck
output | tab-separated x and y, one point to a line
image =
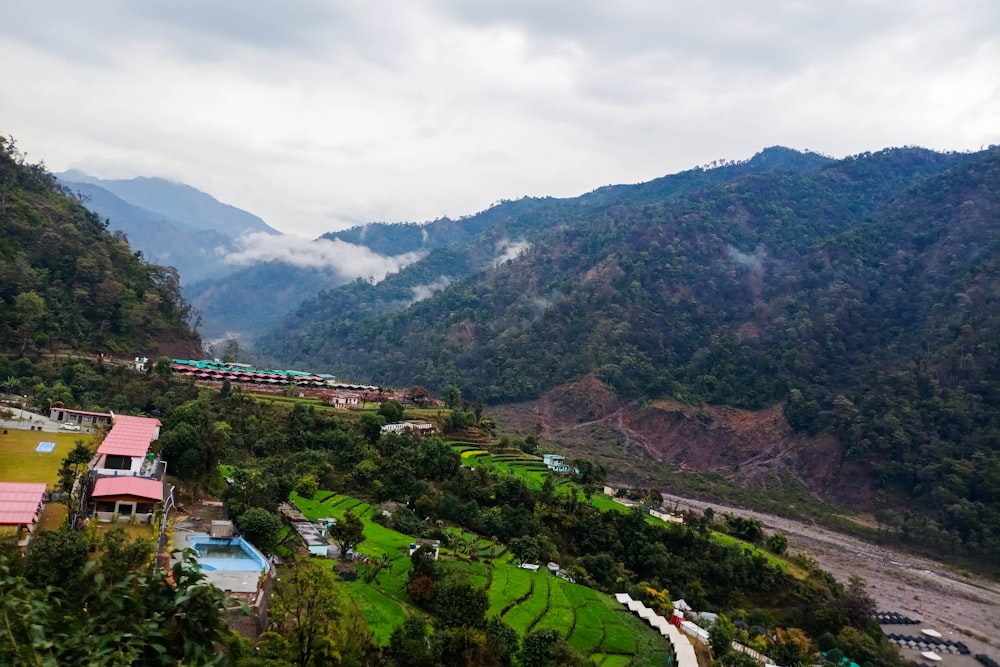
233	581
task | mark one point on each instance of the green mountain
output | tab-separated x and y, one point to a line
193	251
66	281
859	294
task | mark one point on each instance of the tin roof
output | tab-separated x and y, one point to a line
130	436
19	502
140	487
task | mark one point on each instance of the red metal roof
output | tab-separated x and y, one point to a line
130	436
19	502
140	487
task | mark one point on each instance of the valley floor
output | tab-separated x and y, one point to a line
961	607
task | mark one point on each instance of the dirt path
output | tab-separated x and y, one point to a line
962	608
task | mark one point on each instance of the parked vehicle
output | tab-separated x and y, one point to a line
66	426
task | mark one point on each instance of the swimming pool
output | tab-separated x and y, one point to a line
233	553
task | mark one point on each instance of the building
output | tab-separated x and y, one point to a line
21	506
344	399
81	418
133	499
557	464
125	449
418	426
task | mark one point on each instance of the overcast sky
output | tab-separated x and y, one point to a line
317	115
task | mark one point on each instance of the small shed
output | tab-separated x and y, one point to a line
221	529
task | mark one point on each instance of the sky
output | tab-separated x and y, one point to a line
318	114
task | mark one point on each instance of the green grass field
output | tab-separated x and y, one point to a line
19	462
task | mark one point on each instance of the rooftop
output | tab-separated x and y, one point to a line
140	487
130	436
19	502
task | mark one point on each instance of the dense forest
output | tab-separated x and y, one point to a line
67	282
860	294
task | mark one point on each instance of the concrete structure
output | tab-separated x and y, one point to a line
133	499
81	418
125	449
557	464
418	426
21	505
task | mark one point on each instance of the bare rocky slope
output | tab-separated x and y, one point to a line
748	447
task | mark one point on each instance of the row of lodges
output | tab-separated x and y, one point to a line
245	374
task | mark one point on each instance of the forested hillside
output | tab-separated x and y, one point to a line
859	294
66	281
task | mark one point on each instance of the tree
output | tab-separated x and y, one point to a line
419	395
164	368
56	558
392	411
30	309
548	648
70	470
371	427
347	533
161	618
121	556
310	612
453	398
859	605
260	527
721	636
526	549
458	603
409	645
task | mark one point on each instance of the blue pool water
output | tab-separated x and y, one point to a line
227	554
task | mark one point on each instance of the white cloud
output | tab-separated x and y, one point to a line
510	250
421	292
318	115
336	256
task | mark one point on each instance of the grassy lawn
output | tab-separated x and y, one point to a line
19	462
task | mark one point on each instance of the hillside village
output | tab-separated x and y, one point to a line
127	480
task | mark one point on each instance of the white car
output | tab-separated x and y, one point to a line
66	426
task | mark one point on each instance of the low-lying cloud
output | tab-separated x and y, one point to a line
507	250
345	259
421	292
753	261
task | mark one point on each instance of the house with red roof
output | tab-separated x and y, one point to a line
21	506
128	484
126	498
125	449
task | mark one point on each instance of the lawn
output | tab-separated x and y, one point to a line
19	462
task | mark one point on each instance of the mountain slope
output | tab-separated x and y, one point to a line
460	248
178	202
193	251
66	281
860	297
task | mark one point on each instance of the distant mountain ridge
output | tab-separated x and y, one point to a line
177	202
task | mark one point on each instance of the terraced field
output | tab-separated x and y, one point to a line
594	623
